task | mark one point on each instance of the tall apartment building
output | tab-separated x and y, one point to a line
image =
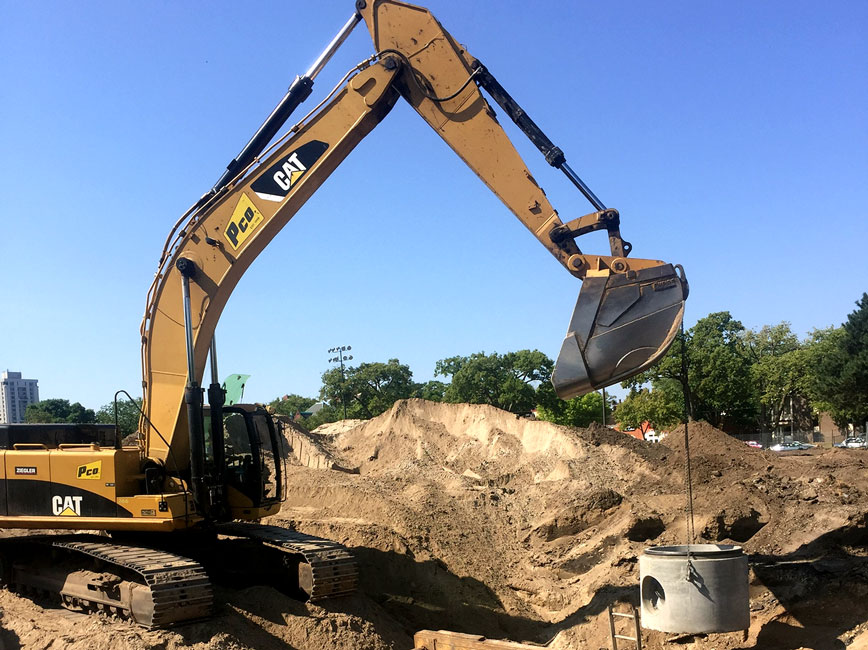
15	394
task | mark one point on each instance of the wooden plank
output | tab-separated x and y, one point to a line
444	640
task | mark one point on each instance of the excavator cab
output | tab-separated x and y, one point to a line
252	469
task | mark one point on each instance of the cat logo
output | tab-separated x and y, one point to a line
243	222
92	471
66	506
281	177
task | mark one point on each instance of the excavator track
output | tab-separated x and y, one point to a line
327	569
151	587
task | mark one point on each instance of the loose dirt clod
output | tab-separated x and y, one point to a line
468	518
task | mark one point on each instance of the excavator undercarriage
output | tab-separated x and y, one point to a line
165	582
150	587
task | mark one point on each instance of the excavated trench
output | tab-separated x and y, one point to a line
469	519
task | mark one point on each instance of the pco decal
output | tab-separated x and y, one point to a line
274	184
92	471
66	506
244	220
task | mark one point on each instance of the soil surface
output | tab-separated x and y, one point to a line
467	518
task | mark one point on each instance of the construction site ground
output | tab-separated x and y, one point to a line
468	518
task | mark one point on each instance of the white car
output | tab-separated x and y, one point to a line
854	443
791	446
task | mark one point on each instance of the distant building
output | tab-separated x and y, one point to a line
827	431
15	394
313	409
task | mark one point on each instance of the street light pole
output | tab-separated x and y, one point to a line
604	406
339	350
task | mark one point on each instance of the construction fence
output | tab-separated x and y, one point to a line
811	437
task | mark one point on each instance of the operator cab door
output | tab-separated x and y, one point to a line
253	471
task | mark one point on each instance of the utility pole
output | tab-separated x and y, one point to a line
604	406
340	358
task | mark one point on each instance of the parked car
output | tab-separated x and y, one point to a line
791	446
854	443
753	443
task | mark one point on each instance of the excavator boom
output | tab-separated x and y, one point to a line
627	312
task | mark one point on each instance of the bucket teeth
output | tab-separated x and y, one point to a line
621	326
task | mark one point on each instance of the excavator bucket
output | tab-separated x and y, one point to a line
623	323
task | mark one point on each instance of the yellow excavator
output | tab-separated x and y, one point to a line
189	494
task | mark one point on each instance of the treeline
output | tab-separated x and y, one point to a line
515	381
753	380
53	411
744	379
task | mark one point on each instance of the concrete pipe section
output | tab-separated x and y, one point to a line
694	589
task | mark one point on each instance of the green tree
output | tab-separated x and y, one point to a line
369	389
719	373
854	375
825	356
507	381
837	361
577	412
657	407
433	391
128	415
289	405
50	411
778	369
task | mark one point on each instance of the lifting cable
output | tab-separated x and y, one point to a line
688	481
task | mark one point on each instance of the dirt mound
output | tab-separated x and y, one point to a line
705	440
469	518
334	428
487	445
516	528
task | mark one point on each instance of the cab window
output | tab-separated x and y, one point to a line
267	458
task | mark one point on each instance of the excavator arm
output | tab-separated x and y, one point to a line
628	310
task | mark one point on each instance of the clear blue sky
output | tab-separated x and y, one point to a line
731	136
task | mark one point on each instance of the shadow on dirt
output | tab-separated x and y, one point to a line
426	595
823	587
9	640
